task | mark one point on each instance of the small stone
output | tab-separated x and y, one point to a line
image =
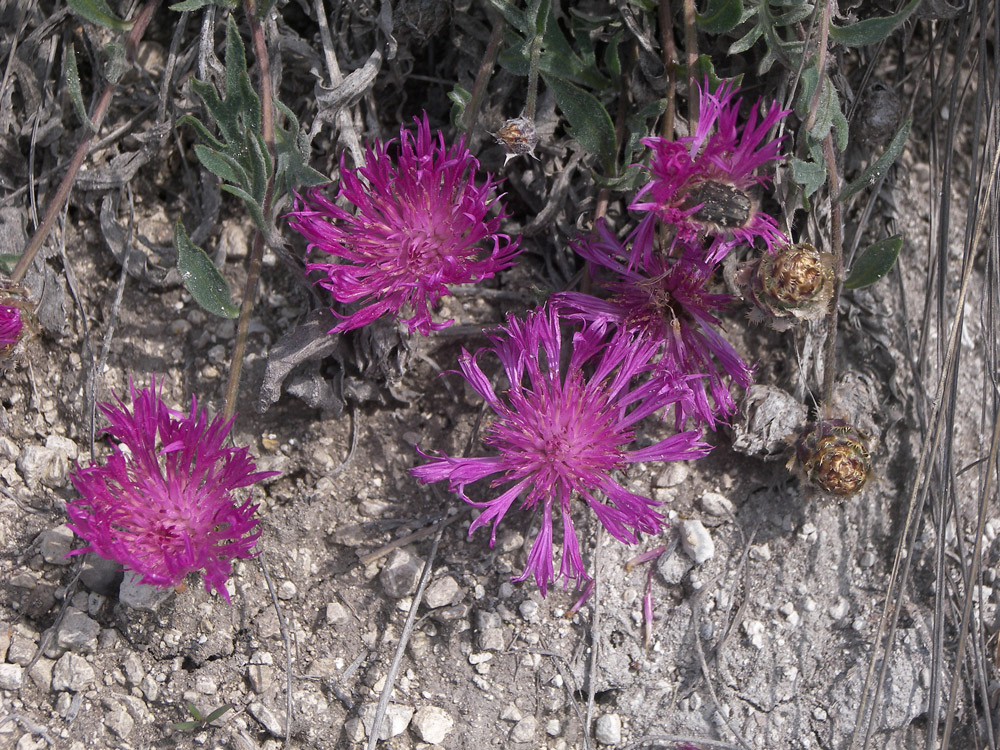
259	677
72	672
43	464
754	630
100	575
41	673
492	640
553	727
528	610
760	552
673	567
78	632
511	713
150	688
141	596
819	714
717	505
117	719
524	730
206	685
337	615
608	729
432	724
839	610
22	649
54	544
286	591
675	474
11	677
442	592
133	668
400	574
397	718
867	559
268	719
697	542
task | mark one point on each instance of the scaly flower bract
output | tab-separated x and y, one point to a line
10	326
667	301
701	183
162	504
420	223
561	431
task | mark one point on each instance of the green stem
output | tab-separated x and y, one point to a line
139	24
536	54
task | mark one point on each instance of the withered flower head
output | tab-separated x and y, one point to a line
518	136
832	455
794	284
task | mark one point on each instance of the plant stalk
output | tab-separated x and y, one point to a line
257	252
837	246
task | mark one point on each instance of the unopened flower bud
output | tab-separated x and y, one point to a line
832	455
794	284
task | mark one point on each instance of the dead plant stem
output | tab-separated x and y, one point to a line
471	113
139	24
837	246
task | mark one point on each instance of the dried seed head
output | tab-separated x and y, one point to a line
832	455
794	284
518	136
721	206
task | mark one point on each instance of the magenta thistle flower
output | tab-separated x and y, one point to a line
10	326
702	183
421	222
162	505
666	300
561	431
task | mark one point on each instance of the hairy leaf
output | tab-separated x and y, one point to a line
589	121
98	12
206	285
871	30
720	16
881	165
875	262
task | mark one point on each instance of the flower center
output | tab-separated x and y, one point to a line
721	205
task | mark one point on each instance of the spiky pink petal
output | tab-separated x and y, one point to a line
563	430
162	504
419	223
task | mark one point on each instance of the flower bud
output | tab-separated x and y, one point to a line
832	455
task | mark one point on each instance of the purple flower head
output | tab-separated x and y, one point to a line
10	326
561	431
701	183
421	222
162	505
666	300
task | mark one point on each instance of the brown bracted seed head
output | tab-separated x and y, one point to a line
794	284
518	136
832	455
